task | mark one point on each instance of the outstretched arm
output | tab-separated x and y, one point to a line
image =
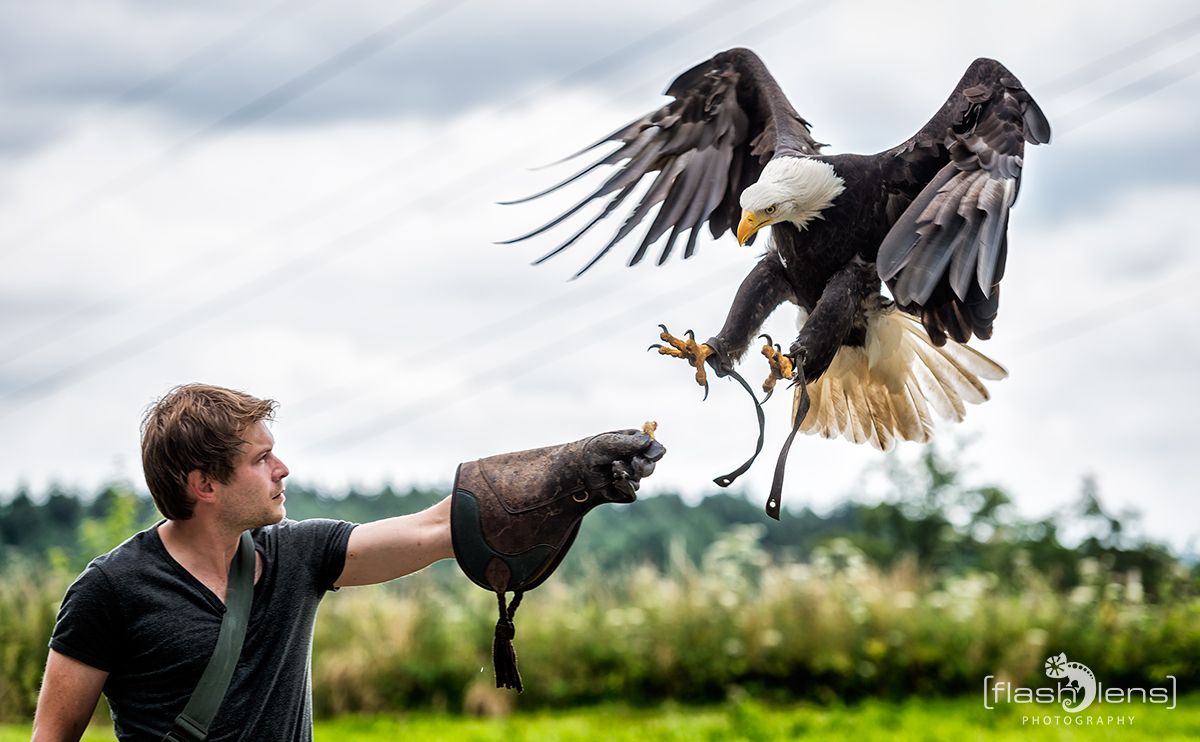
386	549
394	547
70	690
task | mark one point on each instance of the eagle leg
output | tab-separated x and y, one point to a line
688	349
781	366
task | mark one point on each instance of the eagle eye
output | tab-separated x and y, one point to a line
770	210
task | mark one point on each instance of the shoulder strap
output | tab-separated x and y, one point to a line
192	724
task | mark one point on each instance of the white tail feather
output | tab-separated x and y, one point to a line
889	389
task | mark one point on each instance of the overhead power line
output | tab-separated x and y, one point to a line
257	109
206	56
518	366
1140	88
1098	69
157	285
67	324
1097	317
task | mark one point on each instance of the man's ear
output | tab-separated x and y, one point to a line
200	486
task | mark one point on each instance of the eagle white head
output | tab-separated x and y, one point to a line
790	189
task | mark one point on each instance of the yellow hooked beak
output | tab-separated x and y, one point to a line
750	223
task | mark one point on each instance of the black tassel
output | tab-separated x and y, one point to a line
504	657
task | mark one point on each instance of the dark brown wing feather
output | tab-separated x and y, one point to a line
727	120
944	255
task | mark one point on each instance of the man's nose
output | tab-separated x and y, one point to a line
283	470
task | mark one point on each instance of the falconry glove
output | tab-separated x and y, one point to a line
514	516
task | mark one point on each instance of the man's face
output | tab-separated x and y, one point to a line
254	496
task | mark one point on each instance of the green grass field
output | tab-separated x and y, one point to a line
959	719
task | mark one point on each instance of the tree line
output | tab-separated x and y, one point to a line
929	516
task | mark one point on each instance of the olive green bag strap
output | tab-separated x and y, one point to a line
192	724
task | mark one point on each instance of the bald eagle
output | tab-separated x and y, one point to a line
927	217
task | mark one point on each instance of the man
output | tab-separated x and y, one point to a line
140	622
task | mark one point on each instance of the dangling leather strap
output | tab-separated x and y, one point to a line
727	479
192	724
775	498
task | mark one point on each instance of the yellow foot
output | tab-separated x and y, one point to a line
687	349
781	365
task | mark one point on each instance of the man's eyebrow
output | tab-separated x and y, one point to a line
259	449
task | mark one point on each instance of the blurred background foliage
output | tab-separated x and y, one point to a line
924	591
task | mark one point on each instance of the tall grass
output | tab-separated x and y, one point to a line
833	628
29	600
732	623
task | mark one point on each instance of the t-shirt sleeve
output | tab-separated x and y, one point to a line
89	622
326	541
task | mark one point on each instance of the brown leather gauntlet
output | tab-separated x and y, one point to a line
515	515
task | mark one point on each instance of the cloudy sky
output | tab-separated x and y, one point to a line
298	199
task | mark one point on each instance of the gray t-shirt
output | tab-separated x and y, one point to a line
139	615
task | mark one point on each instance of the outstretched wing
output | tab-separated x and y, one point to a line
727	120
944	256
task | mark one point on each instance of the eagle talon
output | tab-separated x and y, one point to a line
688	349
782	367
